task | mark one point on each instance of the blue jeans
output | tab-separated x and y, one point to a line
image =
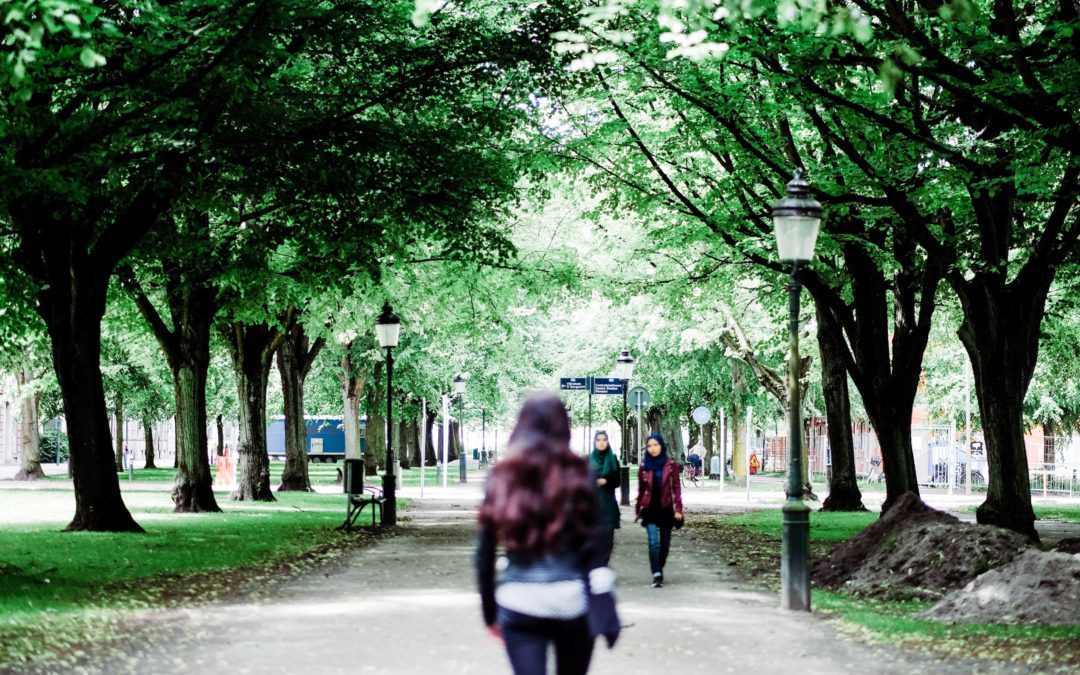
659	545
527	638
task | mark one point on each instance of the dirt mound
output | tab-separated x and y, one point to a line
1069	545
1036	588
915	551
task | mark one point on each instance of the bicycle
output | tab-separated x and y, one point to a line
689	473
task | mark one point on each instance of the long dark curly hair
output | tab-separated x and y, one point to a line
541	499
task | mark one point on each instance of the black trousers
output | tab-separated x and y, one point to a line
527	639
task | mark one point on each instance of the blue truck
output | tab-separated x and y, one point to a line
325	438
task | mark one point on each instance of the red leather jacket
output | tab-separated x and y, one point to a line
670	495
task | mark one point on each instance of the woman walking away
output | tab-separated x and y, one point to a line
606	468
659	502
541	506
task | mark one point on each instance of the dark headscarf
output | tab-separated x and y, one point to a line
603	462
655	464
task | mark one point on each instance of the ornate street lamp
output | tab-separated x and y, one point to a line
796	219
388	329
459	389
624	369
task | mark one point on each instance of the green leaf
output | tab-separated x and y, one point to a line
90	58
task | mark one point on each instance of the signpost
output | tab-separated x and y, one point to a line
600	386
701	415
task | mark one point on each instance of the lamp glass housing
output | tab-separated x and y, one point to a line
388	328
624	365
796	237
459	384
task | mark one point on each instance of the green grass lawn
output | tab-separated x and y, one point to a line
1066	512
824	526
63	589
46	569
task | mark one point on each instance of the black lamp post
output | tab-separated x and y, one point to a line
624	369
388	329
459	389
796	219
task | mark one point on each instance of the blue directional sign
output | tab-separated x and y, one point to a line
607	385
574	383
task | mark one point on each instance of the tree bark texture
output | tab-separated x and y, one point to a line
192	307
844	493
295	356
118	437
72	308
252	347
148	436
352	391
29	430
431	458
1000	332
220	437
884	358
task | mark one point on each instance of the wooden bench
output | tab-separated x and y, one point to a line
358	495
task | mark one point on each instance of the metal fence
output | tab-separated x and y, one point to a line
1054	465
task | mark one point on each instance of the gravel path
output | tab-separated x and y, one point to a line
407	605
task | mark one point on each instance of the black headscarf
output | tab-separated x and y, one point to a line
656	464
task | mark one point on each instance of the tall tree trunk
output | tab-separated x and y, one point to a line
844	493
375	429
1000	331
74	326
118	438
29	426
352	390
295	356
737	423
431	458
252	347
884	359
192	307
220	437
148	435
193	491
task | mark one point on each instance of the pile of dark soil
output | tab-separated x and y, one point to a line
1036	588
916	552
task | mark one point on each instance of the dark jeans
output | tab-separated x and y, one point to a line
659	545
527	639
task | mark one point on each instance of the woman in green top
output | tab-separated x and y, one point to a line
606	467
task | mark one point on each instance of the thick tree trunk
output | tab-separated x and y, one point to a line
844	493
352	389
75	330
295	474
431	458
1000	331
707	435
186	345
410	448
885	358
294	358
374	440
252	348
220	437
29	426
118	422
193	491
148	436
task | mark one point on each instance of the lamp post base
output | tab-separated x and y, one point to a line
389	509
794	554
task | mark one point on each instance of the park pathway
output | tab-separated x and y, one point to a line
407	605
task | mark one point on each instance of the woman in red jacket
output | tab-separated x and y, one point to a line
659	502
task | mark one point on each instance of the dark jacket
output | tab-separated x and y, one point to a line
670	493
609	505
573	563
